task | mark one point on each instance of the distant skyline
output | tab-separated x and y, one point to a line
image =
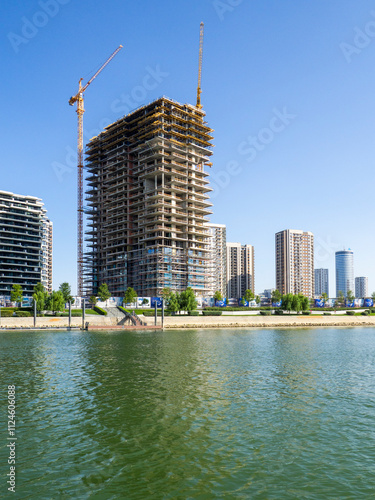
287	86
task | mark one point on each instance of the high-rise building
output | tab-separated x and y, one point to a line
361	287
218	245
25	245
240	270
295	262
344	272
321	282
148	202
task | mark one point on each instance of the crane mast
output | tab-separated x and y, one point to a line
199	90
78	98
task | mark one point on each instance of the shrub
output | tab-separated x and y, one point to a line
23	314
306	313
350	313
266	313
212	313
326	314
101	311
365	313
151	313
193	313
372	310
279	312
6	314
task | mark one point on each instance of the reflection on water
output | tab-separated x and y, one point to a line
193	414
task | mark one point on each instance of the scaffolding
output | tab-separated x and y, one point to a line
148	203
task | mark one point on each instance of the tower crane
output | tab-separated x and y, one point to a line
199	90
78	98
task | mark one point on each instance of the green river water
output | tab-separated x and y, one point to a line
191	414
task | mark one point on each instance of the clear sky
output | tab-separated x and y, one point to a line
288	87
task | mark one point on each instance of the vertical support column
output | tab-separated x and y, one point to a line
70	314
156	312
83	314
34	313
162	315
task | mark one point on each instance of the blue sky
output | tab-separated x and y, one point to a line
313	63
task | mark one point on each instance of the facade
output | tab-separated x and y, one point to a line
321	282
148	202
46	279
240	270
24	244
344	272
218	246
295	262
361	287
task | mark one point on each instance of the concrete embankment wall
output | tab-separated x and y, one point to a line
52	322
265	321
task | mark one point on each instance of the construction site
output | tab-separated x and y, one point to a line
147	202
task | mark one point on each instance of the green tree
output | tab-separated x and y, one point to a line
103	292
218	295
66	291
296	303
173	303
305	302
257	300
16	294
286	302
93	300
130	295
187	300
40	296
145	302
373	296
350	296
340	299
55	302
275	296
165	293
324	297
248	296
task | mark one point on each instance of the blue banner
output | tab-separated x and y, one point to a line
156	300
244	303
276	304
221	303
368	303
319	303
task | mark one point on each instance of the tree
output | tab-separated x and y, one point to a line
257	300
93	300
350	296
145	302
40	296
66	291
373	296
103	292
55	302
305	303
340	299
275	296
165	293
248	296
16	294
173	303
130	295
296	303
324	297
187	300
218	295
286	302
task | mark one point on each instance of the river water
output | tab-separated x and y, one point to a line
198	414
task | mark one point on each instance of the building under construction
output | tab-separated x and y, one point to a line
147	200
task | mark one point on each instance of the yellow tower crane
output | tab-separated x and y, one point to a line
78	98
199	90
